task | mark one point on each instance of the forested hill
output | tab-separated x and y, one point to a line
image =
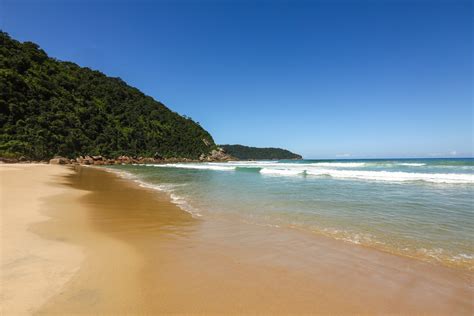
49	107
254	153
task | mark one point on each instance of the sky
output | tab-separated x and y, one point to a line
326	79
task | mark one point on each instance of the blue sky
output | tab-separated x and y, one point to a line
327	79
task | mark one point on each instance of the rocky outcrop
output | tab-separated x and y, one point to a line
8	160
21	160
218	154
121	160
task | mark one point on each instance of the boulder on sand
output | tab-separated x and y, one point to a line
59	161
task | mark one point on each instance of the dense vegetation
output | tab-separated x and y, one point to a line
49	107
254	153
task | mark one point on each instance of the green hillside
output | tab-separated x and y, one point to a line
255	153
49	107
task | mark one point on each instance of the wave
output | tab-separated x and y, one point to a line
184	205
292	164
195	166
167	188
281	172
340	164
320	169
395	176
412	164
253	162
427	254
164	187
175	198
232	165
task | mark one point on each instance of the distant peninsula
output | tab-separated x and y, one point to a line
255	153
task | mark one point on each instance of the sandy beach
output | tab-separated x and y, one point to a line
85	241
33	269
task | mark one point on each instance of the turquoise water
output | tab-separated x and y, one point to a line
420	208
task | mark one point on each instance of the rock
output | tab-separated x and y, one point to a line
147	160
96	158
124	160
172	160
218	154
8	160
88	160
59	161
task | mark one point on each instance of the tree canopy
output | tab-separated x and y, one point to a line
50	107
255	153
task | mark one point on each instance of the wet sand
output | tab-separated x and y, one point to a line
143	255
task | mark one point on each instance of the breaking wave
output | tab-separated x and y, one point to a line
320	169
395	176
196	166
412	164
340	164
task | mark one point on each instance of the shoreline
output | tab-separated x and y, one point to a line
174	263
463	267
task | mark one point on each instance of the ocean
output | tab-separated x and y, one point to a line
420	208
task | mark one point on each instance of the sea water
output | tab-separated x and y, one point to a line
420	208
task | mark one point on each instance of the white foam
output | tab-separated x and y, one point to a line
120	173
159	187
389	176
252	162
350	237
339	164
203	166
184	205
320	169
163	187
394	176
463	256
175	199
281	172
232	165
264	164
412	164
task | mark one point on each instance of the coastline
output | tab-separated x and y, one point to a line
143	254
407	220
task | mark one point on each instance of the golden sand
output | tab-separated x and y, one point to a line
140	254
33	269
